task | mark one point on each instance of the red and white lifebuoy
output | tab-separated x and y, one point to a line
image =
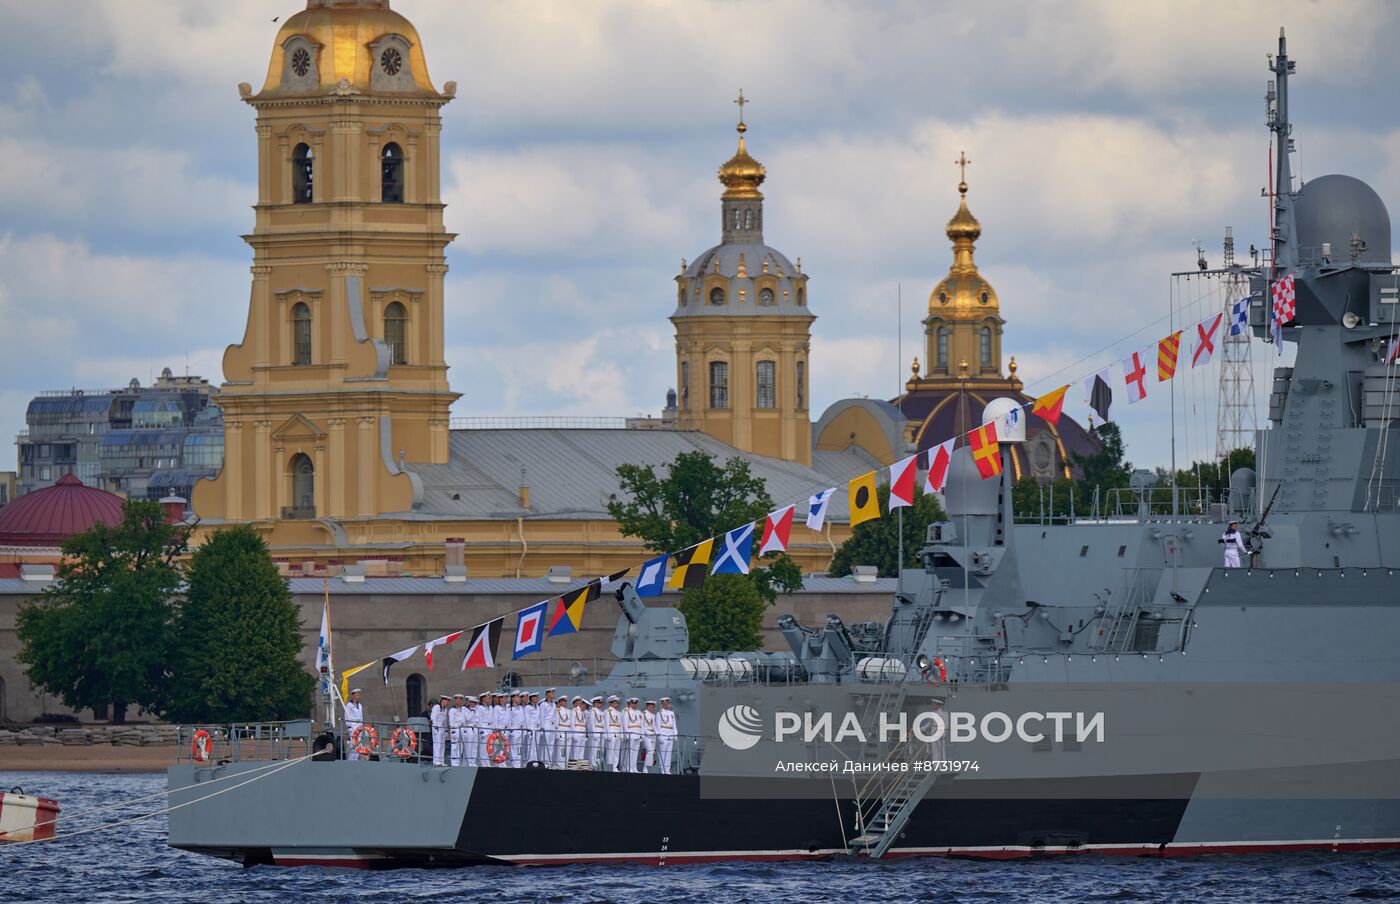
202	746
942	670
403	742
358	733
498	747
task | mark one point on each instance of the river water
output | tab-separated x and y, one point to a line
131	863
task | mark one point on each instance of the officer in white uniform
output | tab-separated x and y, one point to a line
354	718
500	725
549	728
649	735
530	743
484	721
612	733
665	734
596	728
1234	545
438	719
515	713
470	746
564	718
578	740
632	740
455	717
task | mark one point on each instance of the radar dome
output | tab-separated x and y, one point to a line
1332	209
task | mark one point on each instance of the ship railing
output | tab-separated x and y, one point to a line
256	741
973	659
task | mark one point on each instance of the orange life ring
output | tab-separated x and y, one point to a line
498	747
202	746
364	749
942	671
400	733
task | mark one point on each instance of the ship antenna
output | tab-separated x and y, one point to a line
1285	237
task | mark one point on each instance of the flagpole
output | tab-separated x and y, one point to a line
1171	329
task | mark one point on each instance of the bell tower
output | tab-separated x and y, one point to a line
743	328
340	382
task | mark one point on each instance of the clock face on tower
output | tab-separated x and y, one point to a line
301	61
391	61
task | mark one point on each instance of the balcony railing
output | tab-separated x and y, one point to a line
298	512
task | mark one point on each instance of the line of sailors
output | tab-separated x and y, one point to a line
511	729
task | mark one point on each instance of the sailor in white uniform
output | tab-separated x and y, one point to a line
354	718
470	746
612	733
549	728
516	714
578	741
438	719
649	735
632	739
530	742
1234	545
500	726
596	729
665	734
455	717
564	718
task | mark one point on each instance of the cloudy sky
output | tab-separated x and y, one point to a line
580	156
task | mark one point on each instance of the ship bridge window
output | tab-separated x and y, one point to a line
1083	552
1122	551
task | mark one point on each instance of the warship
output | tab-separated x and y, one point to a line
1134	599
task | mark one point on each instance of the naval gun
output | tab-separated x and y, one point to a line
646	632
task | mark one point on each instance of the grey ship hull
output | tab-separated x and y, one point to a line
382	816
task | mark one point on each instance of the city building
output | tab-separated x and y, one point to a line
140	441
9	487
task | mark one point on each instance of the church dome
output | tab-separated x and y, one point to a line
741	174
964	291
347	47
47	517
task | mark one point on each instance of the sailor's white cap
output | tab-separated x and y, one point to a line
614	699
651	703
459	696
534	693
471	699
665	699
355	690
444	697
550	690
596	700
633	700
578	699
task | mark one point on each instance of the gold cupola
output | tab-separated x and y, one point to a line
963	310
741	174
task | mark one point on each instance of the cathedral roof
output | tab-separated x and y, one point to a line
749	268
741	174
342	32
49	516
964	294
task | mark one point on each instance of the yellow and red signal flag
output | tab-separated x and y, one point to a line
1167	350
1050	405
986	452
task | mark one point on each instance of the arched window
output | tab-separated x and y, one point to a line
986	348
413	690
394	319
748	219
301	334
801	385
685	385
719	384
391	174
765	383
302	172
765	297
942	360
801	294
303	487
716	296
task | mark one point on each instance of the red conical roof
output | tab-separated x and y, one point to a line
49	516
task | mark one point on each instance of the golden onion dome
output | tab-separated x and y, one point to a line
741	174
346	47
964	225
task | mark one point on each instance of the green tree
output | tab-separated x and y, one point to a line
725	614
1032	500
1106	469
697	499
238	637
878	543
101	633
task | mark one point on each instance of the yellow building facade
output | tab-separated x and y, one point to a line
338	446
